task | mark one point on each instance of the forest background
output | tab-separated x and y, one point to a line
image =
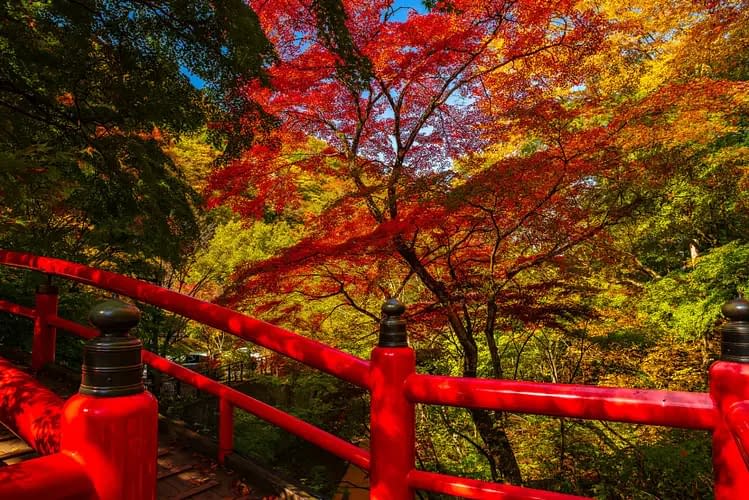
556	190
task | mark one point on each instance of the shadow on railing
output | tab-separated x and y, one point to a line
395	388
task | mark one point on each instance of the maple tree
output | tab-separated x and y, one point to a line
468	157
408	210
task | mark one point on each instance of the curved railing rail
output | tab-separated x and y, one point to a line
307	351
395	388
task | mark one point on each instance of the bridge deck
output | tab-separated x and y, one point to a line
12	448
182	473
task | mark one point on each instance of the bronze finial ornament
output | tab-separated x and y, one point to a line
734	345
111	362
393	326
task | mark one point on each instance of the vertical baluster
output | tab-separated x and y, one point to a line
392	418
45	335
729	388
110	426
225	429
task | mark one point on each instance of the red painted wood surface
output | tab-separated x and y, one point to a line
12	308
45	334
689	410
737	420
308	351
325	440
292	424
395	389
471	488
115	439
729	385
392	439
225	429
73	327
53	477
30	409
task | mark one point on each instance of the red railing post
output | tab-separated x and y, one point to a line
45	335
225	429
392	440
729	386
110	426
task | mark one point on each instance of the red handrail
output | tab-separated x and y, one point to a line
292	424
687	410
472	488
73	327
17	309
52	477
31	410
395	387
307	351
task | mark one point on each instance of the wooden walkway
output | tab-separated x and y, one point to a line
12	448
182	473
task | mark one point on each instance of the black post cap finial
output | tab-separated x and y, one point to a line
393	326
114	317
734	344
111	363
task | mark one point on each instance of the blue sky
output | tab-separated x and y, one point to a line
195	80
408	4
404	7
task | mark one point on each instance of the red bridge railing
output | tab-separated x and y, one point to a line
395	388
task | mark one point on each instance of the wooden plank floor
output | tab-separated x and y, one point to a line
182	473
12	448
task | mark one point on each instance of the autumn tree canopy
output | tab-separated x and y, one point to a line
557	191
420	211
470	157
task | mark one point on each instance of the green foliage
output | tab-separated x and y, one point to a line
701	205
104	149
354	69
671	464
234	244
94	100
317	399
686	303
90	92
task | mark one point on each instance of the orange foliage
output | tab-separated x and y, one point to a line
427	208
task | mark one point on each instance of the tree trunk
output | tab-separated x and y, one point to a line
497	447
490	428
491	343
